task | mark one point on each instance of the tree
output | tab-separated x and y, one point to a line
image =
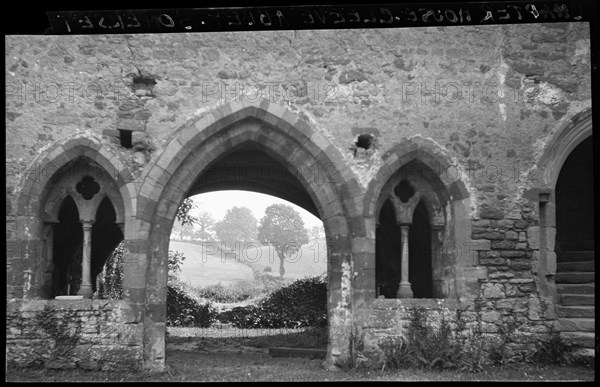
316	232
282	227
238	226
204	227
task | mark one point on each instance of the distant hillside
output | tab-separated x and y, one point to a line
200	269
203	266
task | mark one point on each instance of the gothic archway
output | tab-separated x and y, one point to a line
275	133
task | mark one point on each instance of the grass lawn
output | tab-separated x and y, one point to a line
203	268
187	366
207	354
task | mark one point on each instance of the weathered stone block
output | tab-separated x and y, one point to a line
501	275
533	237
488	212
491	316
492	261
504	245
521	223
512	253
492	290
519	264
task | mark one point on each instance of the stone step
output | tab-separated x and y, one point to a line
576	277
576	288
312	353
583	339
583	266
577	299
576	311
587	354
570	256
577	324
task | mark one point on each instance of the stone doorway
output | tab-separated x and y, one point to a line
575	276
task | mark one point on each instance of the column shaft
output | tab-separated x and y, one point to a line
404	289
85	289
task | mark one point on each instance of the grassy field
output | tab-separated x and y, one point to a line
201	269
204	266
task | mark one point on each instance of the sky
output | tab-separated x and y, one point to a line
217	203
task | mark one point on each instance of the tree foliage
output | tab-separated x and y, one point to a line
316	232
183	212
283	227
238	226
204	229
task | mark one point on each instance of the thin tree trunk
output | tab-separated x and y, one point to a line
281	259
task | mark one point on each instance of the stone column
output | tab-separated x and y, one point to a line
85	289
404	290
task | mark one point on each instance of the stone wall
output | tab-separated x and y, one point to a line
522	321
483	102
72	334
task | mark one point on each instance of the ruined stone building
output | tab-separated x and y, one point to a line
451	167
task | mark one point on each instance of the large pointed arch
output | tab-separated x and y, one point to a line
560	146
292	141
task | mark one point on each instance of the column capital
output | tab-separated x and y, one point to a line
87	222
403	224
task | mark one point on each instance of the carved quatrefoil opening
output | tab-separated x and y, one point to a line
87	187
404	191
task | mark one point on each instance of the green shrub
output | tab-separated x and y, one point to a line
501	353
110	280
397	352
302	303
238	292
435	349
554	351
184	311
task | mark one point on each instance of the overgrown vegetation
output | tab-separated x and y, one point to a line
110	280
423	346
448	347
238	292
555	351
184	311
65	335
303	303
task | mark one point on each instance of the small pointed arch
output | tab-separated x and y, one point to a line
421	254
106	236
425	188
53	164
423	157
66	250
387	247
